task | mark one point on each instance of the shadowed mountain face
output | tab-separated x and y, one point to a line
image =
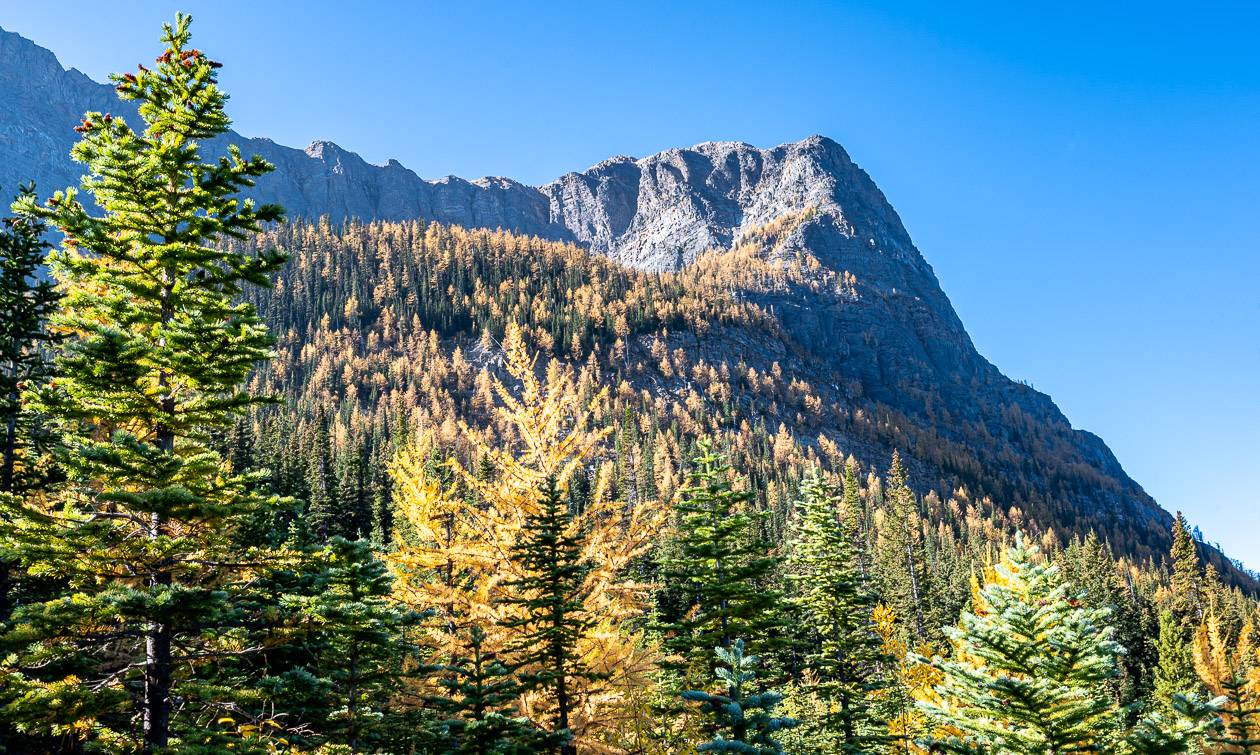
875	324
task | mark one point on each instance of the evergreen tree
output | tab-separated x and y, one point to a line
1186	601
361	642
548	555
901	551
352	504
1088	565
1179	730
159	351
1029	668
830	599
854	507
26	301
1174	673
721	567
322	514
743	718
1029	671
480	694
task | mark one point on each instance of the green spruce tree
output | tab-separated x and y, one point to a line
480	693
1174	672
548	556
1029	668
742	718
322	514
1088	564
153	369
1029	672
1186	602
363	648
901	555
26	302
854	511
830	599
721	568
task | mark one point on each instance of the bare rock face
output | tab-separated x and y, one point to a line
658	213
890	335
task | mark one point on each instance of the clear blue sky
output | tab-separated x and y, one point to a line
1084	177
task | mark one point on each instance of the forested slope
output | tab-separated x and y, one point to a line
384	326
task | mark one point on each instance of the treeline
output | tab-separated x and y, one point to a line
503	550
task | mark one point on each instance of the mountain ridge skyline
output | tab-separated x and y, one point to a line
527	218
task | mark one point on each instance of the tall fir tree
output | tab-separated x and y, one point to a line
1174	672
26	302
1186	587
901	555
830	599
158	352
554	618
363	648
742	717
721	567
1088	564
321	480
353	502
854	511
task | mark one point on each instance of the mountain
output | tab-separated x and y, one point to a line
862	317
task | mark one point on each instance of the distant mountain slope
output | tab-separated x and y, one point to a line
865	316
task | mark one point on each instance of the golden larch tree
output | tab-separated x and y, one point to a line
453	554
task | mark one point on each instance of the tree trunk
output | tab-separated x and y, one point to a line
157	642
914	587
351	701
157	674
562	715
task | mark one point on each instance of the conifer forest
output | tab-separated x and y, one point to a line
280	484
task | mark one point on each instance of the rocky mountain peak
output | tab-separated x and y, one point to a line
873	323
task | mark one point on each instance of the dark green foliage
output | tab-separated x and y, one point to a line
1174	673
1187	578
26	301
902	556
321	482
480	694
831	604
1088	565
548	556
358	647
720	567
742	717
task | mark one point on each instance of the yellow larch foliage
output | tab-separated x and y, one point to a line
913	681
454	554
1229	666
